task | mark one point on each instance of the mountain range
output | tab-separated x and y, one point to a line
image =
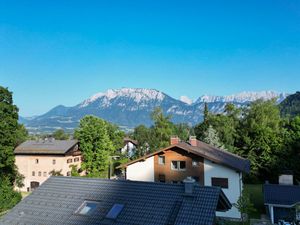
129	107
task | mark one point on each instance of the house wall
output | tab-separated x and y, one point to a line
177	154
141	171
128	149
26	164
234	184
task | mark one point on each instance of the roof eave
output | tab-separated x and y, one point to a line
246	169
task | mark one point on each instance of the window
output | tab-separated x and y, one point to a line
68	173
53	161
36	161
162	178
195	162
174	165
220	182
161	159
87	208
45	174
178	165
69	160
33	173
76	159
114	211
182	165
40	173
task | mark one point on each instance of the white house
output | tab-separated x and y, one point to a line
129	147
36	160
208	165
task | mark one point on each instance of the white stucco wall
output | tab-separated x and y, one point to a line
141	171
26	164
234	185
128	149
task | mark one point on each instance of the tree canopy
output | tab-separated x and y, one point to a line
11	134
60	135
98	141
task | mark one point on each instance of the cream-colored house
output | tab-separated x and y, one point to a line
37	159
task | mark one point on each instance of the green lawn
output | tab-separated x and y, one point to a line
256	197
25	194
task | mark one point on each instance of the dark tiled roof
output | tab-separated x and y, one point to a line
57	199
45	147
208	152
127	139
281	194
219	156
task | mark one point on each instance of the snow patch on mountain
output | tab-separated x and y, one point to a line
186	100
244	97
136	94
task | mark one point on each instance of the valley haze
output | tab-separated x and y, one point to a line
130	107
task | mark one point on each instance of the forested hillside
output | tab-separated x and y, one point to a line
290	107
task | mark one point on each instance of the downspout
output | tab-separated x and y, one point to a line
271	209
240	186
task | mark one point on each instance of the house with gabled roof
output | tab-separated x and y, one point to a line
37	159
129	147
208	165
282	200
80	201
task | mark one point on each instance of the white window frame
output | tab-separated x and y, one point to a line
178	165
161	160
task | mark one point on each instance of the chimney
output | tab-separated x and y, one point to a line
189	183
174	140
193	141
286	178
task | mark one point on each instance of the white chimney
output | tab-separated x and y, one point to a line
193	141
286	179
189	183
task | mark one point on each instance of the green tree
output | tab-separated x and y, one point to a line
162	129
55	173
183	131
290	155
11	134
75	172
22	134
200	128
245	206
115	135
8	197
261	137
205	112
95	145
142	135
8	135
211	137
227	126
60	135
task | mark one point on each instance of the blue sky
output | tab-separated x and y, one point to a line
61	51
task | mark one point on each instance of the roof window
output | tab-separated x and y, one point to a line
87	208
114	211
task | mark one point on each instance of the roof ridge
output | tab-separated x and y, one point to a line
223	150
132	182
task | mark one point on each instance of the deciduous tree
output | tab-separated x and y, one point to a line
95	145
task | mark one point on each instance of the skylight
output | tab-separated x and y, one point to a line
114	211
87	208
